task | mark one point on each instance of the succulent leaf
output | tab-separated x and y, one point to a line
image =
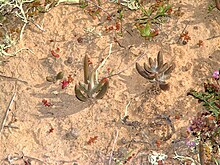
163	68
91	85
159	60
141	71
50	79
79	94
83	87
170	69
91	81
151	62
147	69
86	69
98	86
157	71
59	76
103	90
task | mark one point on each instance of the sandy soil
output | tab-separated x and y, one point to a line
61	134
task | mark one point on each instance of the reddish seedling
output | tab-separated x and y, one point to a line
200	43
55	53
51	130
92	140
90	61
116	27
158	143
185	37
64	83
169	11
70	79
46	103
93	12
129	158
110	71
80	40
108	18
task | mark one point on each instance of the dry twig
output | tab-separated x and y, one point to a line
13	79
113	148
6	113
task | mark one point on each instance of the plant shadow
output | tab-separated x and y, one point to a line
63	104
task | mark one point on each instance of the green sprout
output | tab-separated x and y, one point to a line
54	79
153	15
210	97
146	31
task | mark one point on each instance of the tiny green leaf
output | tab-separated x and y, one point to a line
60	76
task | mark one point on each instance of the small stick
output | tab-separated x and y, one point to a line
213	37
6	113
113	148
38	26
103	62
14	79
22	30
183	158
32	158
126	108
126	112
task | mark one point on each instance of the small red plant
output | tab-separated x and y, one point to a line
70	79
109	70
93	12
113	27
89	61
158	143
200	43
92	140
108	18
185	37
169	11
117	26
46	103
129	158
55	53
51	130
64	83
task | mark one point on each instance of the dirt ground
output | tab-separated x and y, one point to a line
71	131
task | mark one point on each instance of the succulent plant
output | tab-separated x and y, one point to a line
157	71
53	79
91	88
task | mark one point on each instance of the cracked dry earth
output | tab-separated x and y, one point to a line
87	133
